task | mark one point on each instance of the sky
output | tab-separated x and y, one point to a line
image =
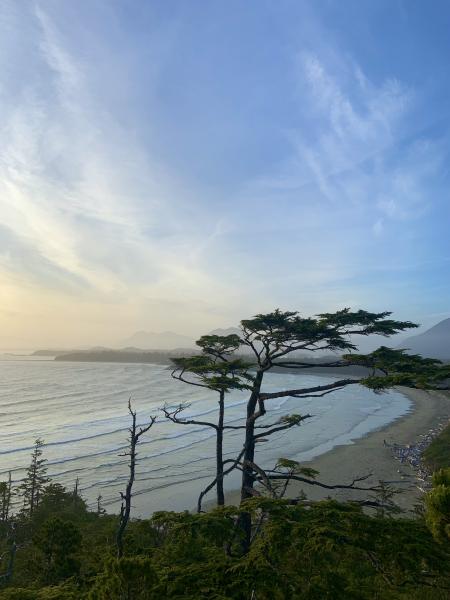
184	165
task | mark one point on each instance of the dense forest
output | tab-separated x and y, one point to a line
271	546
298	550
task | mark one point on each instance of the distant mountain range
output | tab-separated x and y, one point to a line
433	343
166	340
149	340
227	331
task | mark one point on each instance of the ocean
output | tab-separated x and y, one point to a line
80	411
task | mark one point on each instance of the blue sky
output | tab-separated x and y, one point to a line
182	165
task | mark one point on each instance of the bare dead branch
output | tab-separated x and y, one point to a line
338	486
173	416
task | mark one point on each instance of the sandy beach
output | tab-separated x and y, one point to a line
372	454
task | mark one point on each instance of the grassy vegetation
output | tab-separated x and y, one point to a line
437	455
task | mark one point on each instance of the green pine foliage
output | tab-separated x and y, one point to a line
437	455
307	551
6	497
58	542
395	367
437	506
328	550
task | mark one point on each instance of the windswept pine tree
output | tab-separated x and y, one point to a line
274	340
216	370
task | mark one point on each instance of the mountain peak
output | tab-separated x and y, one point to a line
433	343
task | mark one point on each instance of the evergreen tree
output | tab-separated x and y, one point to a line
32	486
6	494
274	340
55	500
216	370
59	541
437	504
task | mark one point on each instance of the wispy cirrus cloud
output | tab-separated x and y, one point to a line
81	190
363	155
353	191
87	214
353	151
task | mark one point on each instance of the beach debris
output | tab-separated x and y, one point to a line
411	454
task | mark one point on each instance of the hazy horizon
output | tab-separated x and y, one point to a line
182	166
171	340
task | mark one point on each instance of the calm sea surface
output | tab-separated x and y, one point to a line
80	410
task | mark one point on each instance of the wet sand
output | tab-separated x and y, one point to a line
370	454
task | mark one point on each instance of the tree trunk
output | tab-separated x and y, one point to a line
125	509
249	444
245	520
219	451
33	492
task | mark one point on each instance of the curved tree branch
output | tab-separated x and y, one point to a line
312	390
210	486
286	425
